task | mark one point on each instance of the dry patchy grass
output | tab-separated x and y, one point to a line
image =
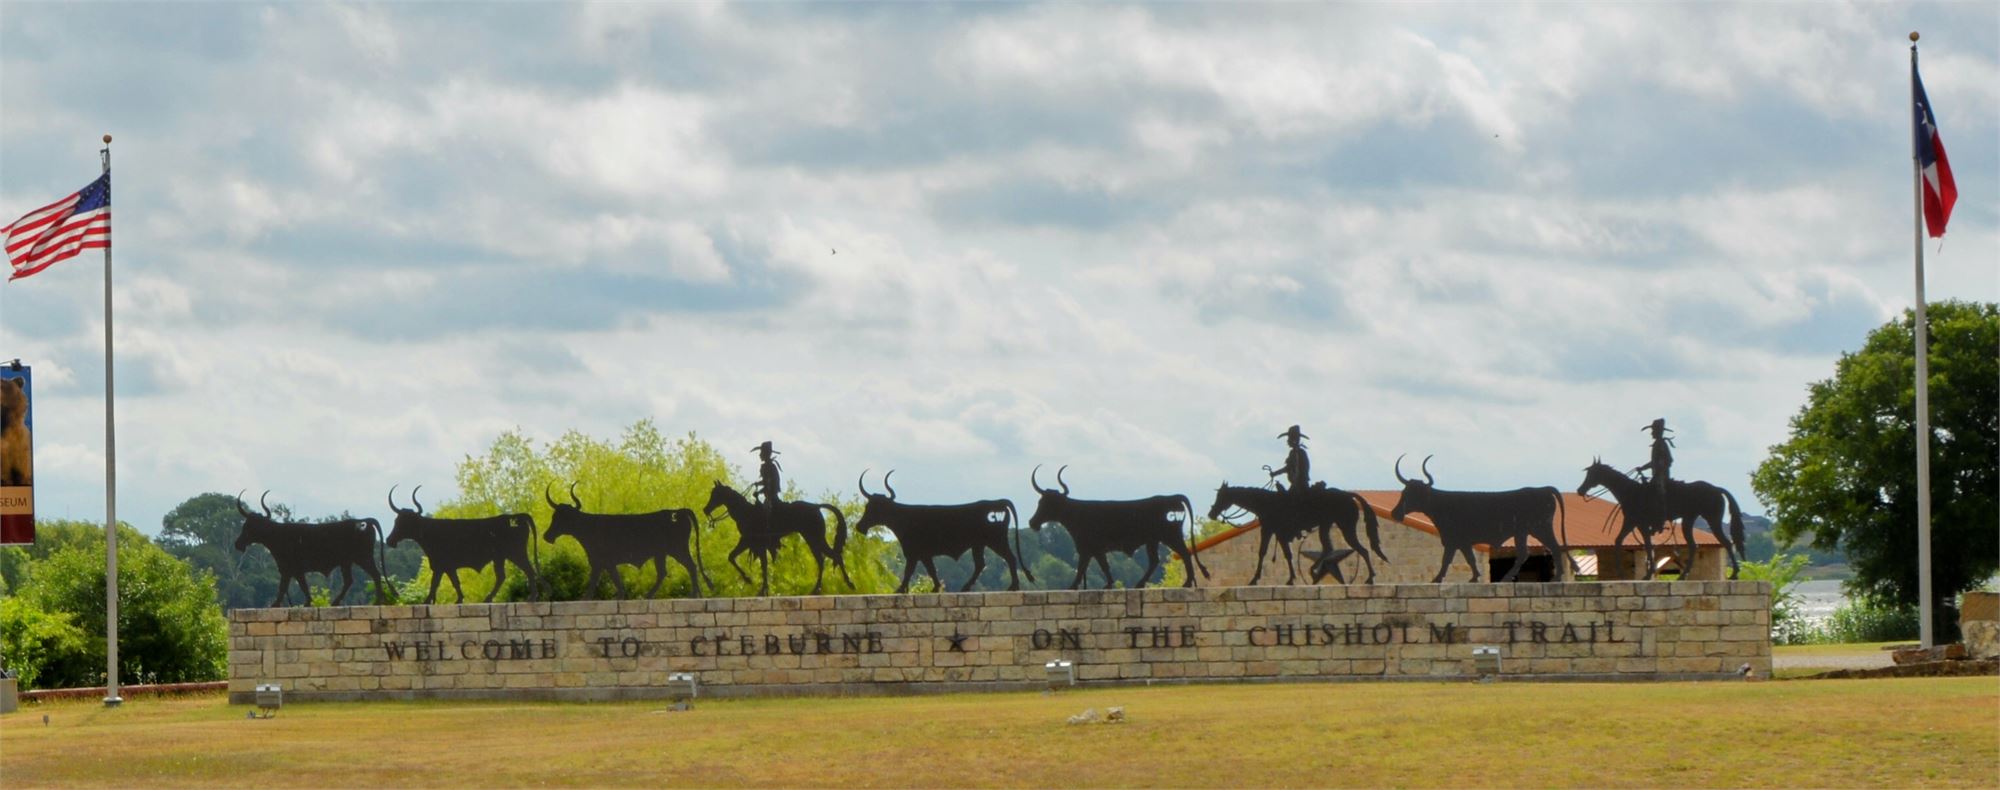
1819	734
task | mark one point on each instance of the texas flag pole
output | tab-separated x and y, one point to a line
111	698
1935	193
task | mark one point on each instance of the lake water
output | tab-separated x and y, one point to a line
1818	598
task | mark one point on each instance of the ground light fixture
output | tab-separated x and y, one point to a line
693	686
1486	661
1061	672
270	697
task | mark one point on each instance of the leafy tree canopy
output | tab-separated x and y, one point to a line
639	472
202	531
1847	477
169	628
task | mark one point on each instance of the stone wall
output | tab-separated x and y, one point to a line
1416	555
917	643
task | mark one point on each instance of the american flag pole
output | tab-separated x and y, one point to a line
1922	331
111	698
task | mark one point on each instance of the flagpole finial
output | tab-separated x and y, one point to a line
107	138
1913	36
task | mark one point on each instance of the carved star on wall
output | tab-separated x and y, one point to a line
957	642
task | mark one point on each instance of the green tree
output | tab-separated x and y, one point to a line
50	537
202	531
641	471
36	643
169	627
1847	476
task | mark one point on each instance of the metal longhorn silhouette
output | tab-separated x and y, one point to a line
1466	518
454	544
1099	527
926	532
760	529
613	539
299	548
1685	502
1285	516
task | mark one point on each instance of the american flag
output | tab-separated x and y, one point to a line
60	230
1940	191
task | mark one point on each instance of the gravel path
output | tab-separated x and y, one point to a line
1871	659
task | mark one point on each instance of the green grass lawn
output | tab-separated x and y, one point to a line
1818	734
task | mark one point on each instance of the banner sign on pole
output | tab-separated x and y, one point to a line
17	457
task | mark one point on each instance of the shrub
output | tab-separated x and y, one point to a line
1868	620
1784	572
170	628
41	643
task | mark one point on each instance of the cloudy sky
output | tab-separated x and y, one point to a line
356	242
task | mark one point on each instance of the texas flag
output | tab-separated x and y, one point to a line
1939	190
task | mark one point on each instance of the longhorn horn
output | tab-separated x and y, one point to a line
1399	470
413	499
1036	483
572	495
1427	471
239	505
1059	480
392	501
546	497
862	483
885	484
260	503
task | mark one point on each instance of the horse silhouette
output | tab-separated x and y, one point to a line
1686	501
1288	515
760	531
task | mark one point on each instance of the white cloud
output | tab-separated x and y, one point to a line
1138	240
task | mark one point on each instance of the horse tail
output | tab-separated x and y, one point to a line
1374	526
1187	505
1014	526
1735	519
839	542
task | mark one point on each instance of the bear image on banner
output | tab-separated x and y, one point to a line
17	457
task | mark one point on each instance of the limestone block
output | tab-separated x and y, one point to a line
1636	665
1487	605
1593	665
1981	637
1744	633
1698	633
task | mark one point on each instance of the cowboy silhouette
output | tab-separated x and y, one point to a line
767	487
1663	457
1297	469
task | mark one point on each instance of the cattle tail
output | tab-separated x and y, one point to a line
1194	551
381	560
1014	526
